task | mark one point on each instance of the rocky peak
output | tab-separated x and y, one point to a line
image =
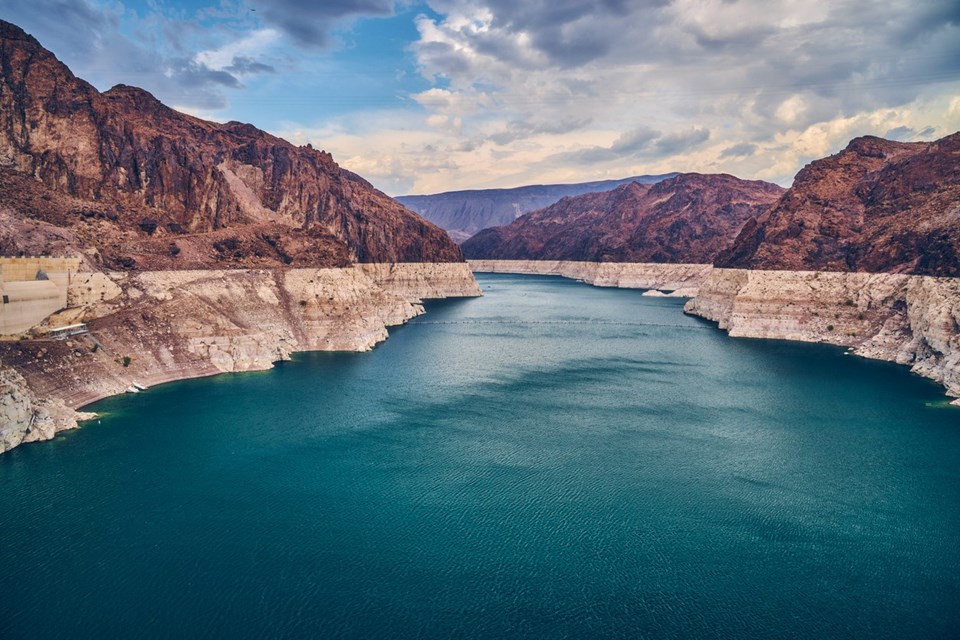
138	98
10	31
161	174
685	218
877	206
464	213
870	147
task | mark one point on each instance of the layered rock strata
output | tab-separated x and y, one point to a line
680	280
24	417
878	206
135	184
911	320
464	213
688	218
152	327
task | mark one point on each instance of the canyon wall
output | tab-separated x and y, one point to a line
911	320
24	417
136	185
688	218
464	213
680	280
152	327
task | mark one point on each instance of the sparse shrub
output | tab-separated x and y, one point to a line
126	360
148	225
829	327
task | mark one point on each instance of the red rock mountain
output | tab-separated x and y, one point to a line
137	184
877	206
464	213
687	218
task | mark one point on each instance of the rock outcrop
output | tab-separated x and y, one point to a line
685	219
911	320
677	280
850	256
26	418
147	328
203	248
877	206
464	213
137	185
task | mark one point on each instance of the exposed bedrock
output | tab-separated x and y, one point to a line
679	279
152	327
911	320
26	418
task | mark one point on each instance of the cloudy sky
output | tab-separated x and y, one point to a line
434	95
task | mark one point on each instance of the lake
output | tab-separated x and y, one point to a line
552	460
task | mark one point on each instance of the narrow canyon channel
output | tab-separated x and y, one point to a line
552	460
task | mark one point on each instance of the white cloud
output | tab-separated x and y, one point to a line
751	87
548	90
249	46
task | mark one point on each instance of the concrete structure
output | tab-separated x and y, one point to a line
25	300
62	333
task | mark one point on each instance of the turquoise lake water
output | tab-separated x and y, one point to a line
550	461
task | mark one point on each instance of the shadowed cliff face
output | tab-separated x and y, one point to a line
688	218
138	180
877	206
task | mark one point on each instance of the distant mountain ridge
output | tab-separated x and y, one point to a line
464	213
133	184
690	218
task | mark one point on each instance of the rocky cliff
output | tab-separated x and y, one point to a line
152	327
685	219
678	280
26	418
136	184
464	213
877	206
911	320
206	248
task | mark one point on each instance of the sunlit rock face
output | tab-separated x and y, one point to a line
911	320
151	327
464	213
200	247
877	206
689	218
139	185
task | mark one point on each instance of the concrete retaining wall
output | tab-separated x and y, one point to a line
26	301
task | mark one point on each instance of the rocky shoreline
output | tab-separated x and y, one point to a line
148	328
679	280
910	320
